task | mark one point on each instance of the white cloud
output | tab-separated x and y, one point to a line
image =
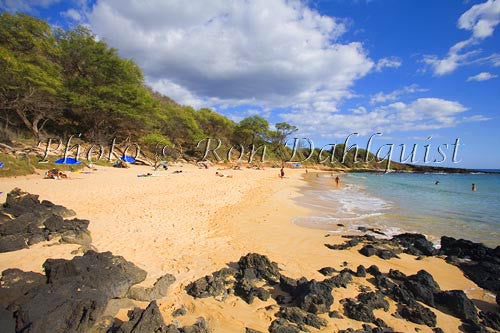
391	62
483	76
266	53
382	97
72	14
481	20
423	114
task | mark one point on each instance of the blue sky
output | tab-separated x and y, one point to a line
407	69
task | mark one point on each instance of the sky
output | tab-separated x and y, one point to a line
419	72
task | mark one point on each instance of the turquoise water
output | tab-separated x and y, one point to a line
399	202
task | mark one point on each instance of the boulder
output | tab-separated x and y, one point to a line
15	283
113	275
281	325
313	296
418	314
340	280
258	266
456	303
12	243
358	311
211	285
158	290
368	250
300	317
327	271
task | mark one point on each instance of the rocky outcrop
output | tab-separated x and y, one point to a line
150	320
73	294
27	221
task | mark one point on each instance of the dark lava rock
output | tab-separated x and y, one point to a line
358	311
415	244
386	254
179	312
335	314
248	291
300	317
12	243
159	289
280	299
35	222
396	275
368	250
344	246
361	271
490	319
257	266
200	326
455	302
462	248
250	330
281	325
143	321
313	296
340	280
327	271
102	271
437	330
373	270
423	287
418	314
74	294
485	274
211	285
151	321
374	300
19	203
288	284
15	283
7	321
484	269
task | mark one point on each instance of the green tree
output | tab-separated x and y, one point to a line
214	124
31	81
105	93
250	130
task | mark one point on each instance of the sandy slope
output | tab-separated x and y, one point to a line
192	223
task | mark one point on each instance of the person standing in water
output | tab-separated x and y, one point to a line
337	181
473	187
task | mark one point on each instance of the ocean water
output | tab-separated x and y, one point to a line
404	202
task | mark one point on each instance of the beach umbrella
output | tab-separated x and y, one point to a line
128	159
67	160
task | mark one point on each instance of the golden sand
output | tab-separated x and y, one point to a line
192	223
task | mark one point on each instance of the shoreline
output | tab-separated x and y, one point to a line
214	221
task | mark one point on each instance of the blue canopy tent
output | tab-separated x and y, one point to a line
68	160
128	159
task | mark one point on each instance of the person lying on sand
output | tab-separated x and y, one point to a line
223	175
149	174
121	164
55	174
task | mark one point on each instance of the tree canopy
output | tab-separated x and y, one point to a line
58	82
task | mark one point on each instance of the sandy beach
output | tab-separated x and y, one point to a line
193	223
